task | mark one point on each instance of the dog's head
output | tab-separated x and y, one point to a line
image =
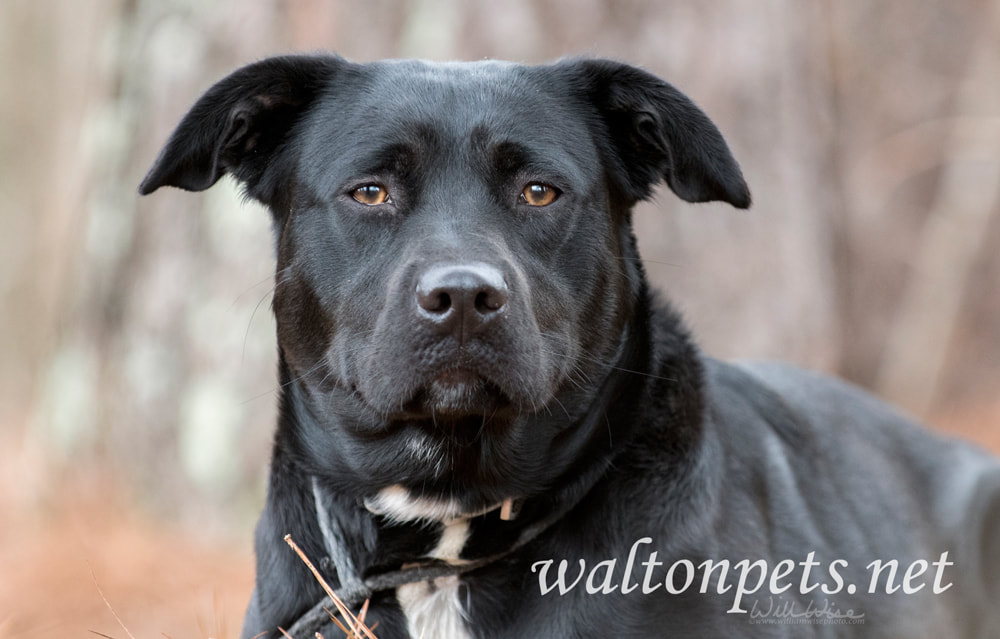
456	271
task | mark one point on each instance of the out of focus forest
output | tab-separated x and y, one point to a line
137	357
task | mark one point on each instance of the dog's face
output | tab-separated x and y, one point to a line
456	272
435	231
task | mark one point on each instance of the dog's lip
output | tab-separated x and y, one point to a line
455	377
454	393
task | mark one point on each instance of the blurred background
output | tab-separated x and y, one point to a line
137	357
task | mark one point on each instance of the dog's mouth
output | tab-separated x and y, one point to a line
456	393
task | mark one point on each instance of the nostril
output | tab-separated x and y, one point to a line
443	303
434	301
490	301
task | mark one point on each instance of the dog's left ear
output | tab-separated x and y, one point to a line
656	133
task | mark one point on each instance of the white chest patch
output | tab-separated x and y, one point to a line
396	503
433	609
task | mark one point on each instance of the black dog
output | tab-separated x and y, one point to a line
489	426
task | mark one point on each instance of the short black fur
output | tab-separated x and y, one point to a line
572	391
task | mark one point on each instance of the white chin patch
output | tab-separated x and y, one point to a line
427	452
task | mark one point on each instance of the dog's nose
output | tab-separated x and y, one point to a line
461	299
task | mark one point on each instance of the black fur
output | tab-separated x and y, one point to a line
580	393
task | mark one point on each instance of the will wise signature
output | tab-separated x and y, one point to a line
786	609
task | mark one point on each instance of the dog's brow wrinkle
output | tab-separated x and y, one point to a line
479	138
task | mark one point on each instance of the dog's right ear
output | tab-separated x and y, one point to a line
239	123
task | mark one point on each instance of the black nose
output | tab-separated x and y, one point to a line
461	299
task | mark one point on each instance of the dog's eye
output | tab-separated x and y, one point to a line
371	194
538	194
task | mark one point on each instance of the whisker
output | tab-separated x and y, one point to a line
609	366
269	278
286	384
556	400
246	333
641	259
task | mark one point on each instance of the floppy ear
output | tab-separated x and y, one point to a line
239	124
656	132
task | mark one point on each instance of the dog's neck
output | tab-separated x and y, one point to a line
395	528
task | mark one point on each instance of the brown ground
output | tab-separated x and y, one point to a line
980	424
162	581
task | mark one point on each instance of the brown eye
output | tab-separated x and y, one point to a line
538	194
371	194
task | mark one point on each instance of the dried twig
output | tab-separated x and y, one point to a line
351	619
108	604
